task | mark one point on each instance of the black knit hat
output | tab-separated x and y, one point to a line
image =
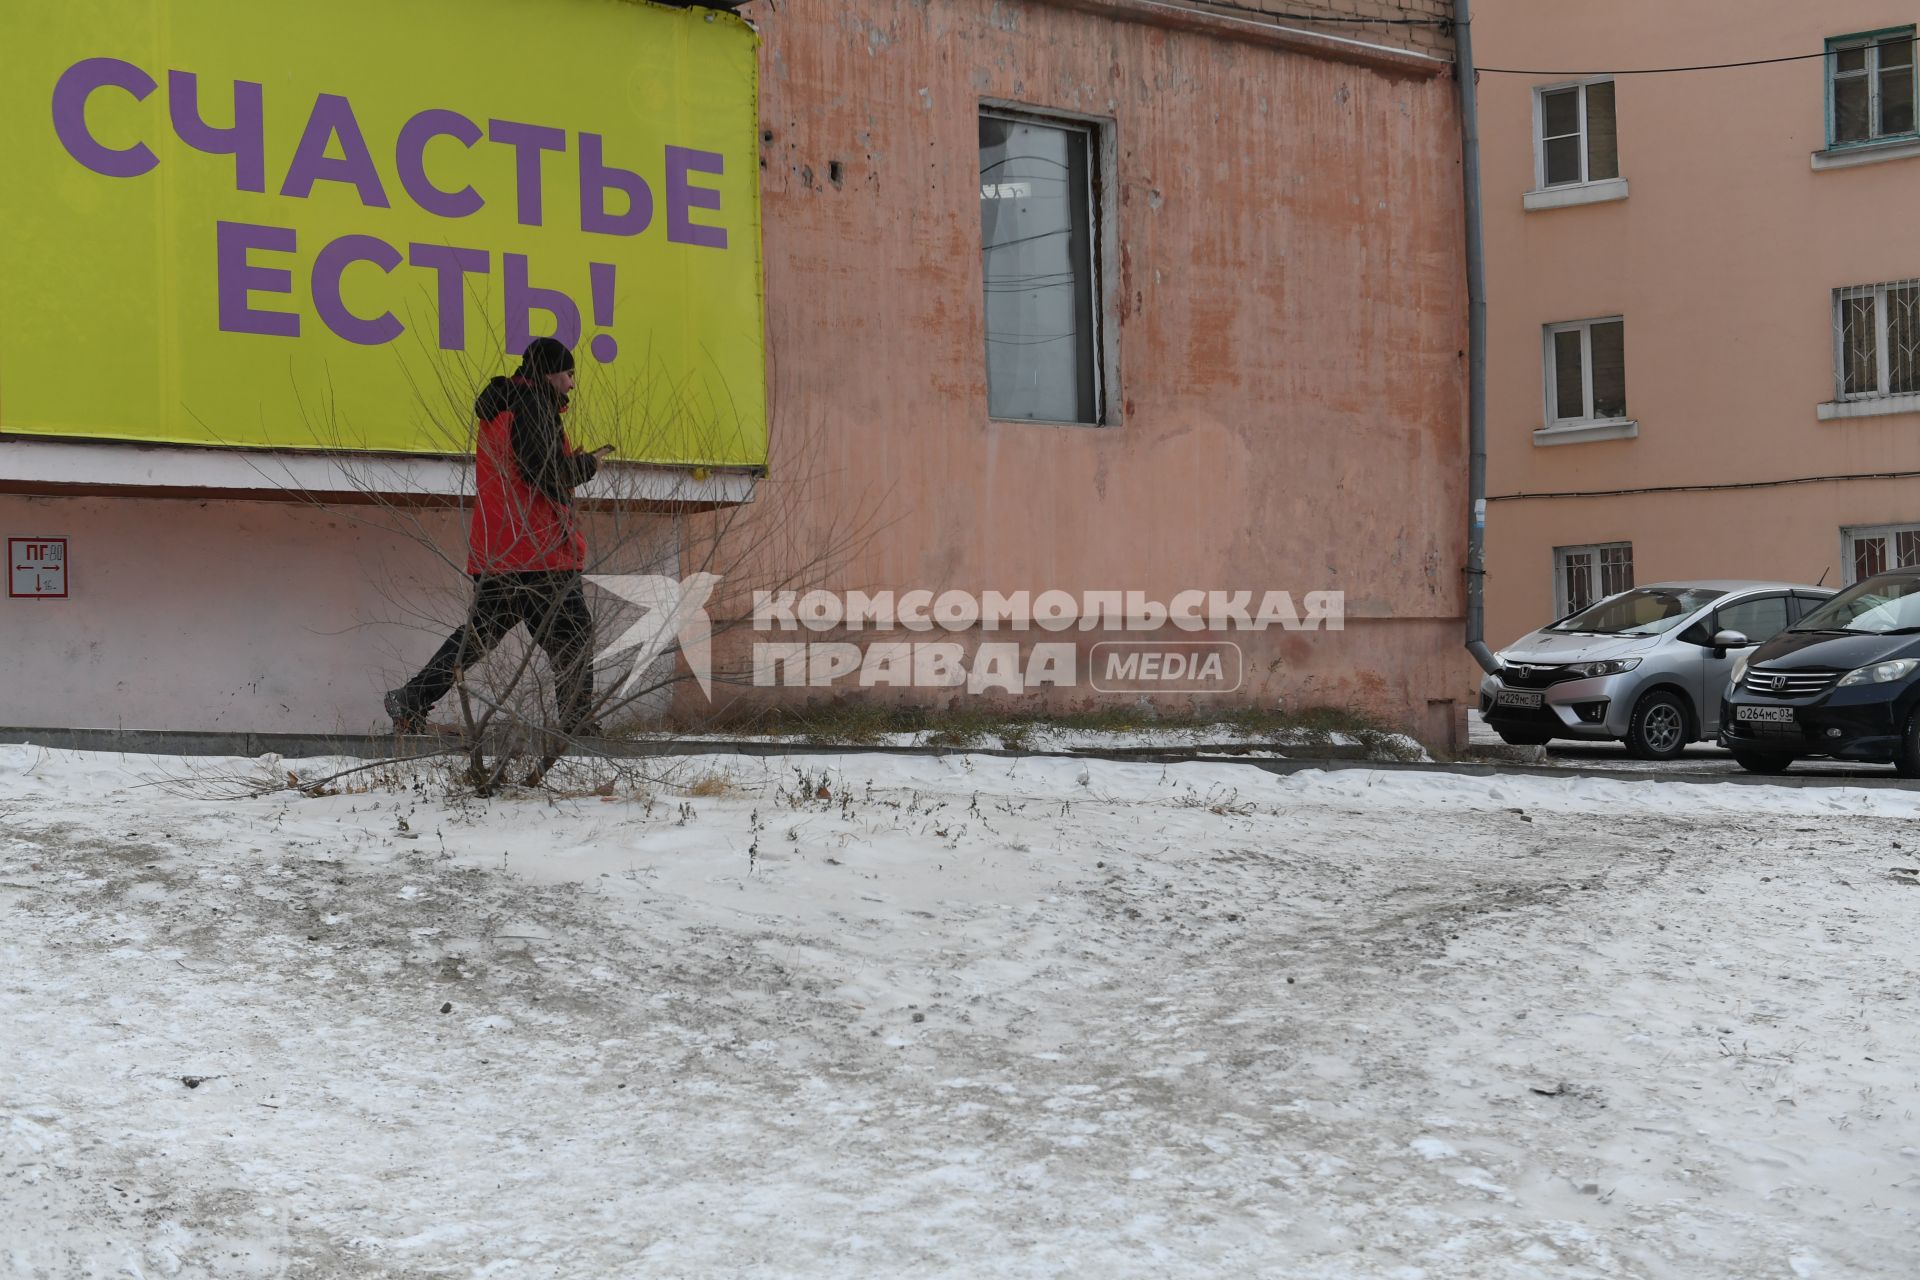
546	355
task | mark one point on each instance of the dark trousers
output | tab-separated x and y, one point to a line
552	606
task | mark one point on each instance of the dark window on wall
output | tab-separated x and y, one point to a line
1870	87
1877	339
1869	557
1584	575
1586	371
1037	237
1875	550
1616	569
1578	140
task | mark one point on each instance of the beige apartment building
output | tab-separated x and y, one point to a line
1703	295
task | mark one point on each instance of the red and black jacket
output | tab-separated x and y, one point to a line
525	472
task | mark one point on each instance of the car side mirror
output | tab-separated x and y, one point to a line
1725	640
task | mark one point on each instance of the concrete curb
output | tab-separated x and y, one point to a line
1334	757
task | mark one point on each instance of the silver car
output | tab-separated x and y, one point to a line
1645	667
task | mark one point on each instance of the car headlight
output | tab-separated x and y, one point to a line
1740	670
1611	667
1500	656
1882	672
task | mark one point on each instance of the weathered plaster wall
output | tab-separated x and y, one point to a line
1287	299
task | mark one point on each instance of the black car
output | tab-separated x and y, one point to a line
1843	682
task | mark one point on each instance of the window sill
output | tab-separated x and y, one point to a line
1861	153
1575	193
1878	407
1583	432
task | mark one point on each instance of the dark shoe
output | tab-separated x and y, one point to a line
405	719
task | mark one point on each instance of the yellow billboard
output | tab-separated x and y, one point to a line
316	225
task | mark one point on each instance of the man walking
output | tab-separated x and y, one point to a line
525	551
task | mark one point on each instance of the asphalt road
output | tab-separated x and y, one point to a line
1701	757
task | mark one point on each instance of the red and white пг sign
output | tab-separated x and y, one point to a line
37	568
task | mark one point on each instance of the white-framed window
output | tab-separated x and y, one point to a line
1876	340
1870	87
1586	366
1039	238
1871	549
1575	137
1582	575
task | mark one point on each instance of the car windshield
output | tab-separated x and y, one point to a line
1644	611
1873	607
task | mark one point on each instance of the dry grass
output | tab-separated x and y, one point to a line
853	723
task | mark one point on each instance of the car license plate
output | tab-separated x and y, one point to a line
1516	698
1764	715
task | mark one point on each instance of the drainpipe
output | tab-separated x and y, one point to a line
1476	343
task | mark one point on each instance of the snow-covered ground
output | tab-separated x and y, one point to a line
964	1016
1043	737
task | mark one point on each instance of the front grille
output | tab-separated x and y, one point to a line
1541	715
1530	676
1788	684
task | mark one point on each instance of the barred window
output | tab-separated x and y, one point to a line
1584	575
1878	548
1876	330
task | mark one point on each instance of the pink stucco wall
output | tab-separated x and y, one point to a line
1287	300
245	616
1722	259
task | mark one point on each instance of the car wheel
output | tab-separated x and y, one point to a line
1906	761
1659	728
1754	762
1523	737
